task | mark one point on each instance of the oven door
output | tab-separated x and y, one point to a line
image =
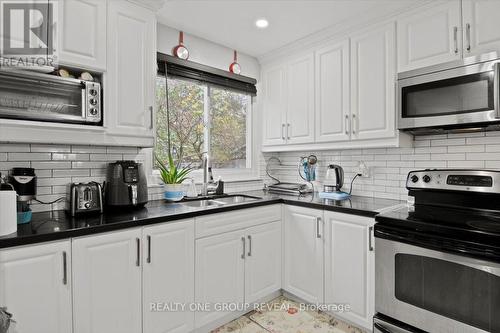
453	97
435	291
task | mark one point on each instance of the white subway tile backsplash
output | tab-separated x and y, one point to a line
448	142
14	147
70	157
389	167
71	173
29	156
38	148
3	157
51	165
88	149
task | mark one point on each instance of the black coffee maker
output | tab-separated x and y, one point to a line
126	185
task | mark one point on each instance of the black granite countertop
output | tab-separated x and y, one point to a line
50	226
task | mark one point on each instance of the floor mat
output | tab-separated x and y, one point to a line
282	315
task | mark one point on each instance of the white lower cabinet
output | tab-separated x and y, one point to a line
236	267
35	286
220	273
303	253
350	266
263	261
107	283
168	277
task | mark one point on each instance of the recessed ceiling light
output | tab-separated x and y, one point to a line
261	23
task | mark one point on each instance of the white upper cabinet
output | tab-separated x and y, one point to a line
332	92
81	31
300	100
274	105
131	70
373	75
349	265
481	26
303	253
107	283
430	37
35	286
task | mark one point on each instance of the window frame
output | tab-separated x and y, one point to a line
227	174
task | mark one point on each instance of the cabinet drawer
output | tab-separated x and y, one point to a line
235	220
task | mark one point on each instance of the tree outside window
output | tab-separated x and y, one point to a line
200	119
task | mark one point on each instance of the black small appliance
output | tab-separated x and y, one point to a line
24	182
126	185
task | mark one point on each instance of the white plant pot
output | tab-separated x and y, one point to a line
174	192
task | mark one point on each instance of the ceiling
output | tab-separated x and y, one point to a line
232	22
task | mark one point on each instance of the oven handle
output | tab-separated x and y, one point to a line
378	327
496	89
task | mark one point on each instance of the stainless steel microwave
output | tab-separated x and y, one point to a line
28	95
456	95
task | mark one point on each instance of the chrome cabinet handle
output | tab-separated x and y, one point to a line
347	129
354	124
151	115
467	36
249	246
455	39
496	88
138	259
283	131
318	233
288	131
148	259
244	246
65	268
370	234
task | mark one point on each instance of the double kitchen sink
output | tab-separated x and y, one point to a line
218	201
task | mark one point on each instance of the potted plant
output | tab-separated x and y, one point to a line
172	176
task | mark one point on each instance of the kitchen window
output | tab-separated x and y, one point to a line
203	116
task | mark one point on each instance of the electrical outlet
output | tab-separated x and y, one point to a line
363	169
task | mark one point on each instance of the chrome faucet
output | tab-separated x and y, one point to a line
209	185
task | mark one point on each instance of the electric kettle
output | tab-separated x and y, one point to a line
334	179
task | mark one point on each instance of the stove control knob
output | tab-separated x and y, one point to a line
93	92
87	205
93	111
93	101
426	179
414	178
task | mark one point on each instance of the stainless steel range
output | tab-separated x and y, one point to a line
438	261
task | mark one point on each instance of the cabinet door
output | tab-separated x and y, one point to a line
481	26
82	33
263	261
349	266
303	253
168	276
35	286
131	69
300	100
373	80
274	105
220	273
107	283
332	92
430	37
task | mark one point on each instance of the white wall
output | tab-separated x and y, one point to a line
206	52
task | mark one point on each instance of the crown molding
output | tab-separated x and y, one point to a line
340	30
150	4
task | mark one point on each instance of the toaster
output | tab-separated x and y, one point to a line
83	198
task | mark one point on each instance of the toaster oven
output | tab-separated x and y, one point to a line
34	96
